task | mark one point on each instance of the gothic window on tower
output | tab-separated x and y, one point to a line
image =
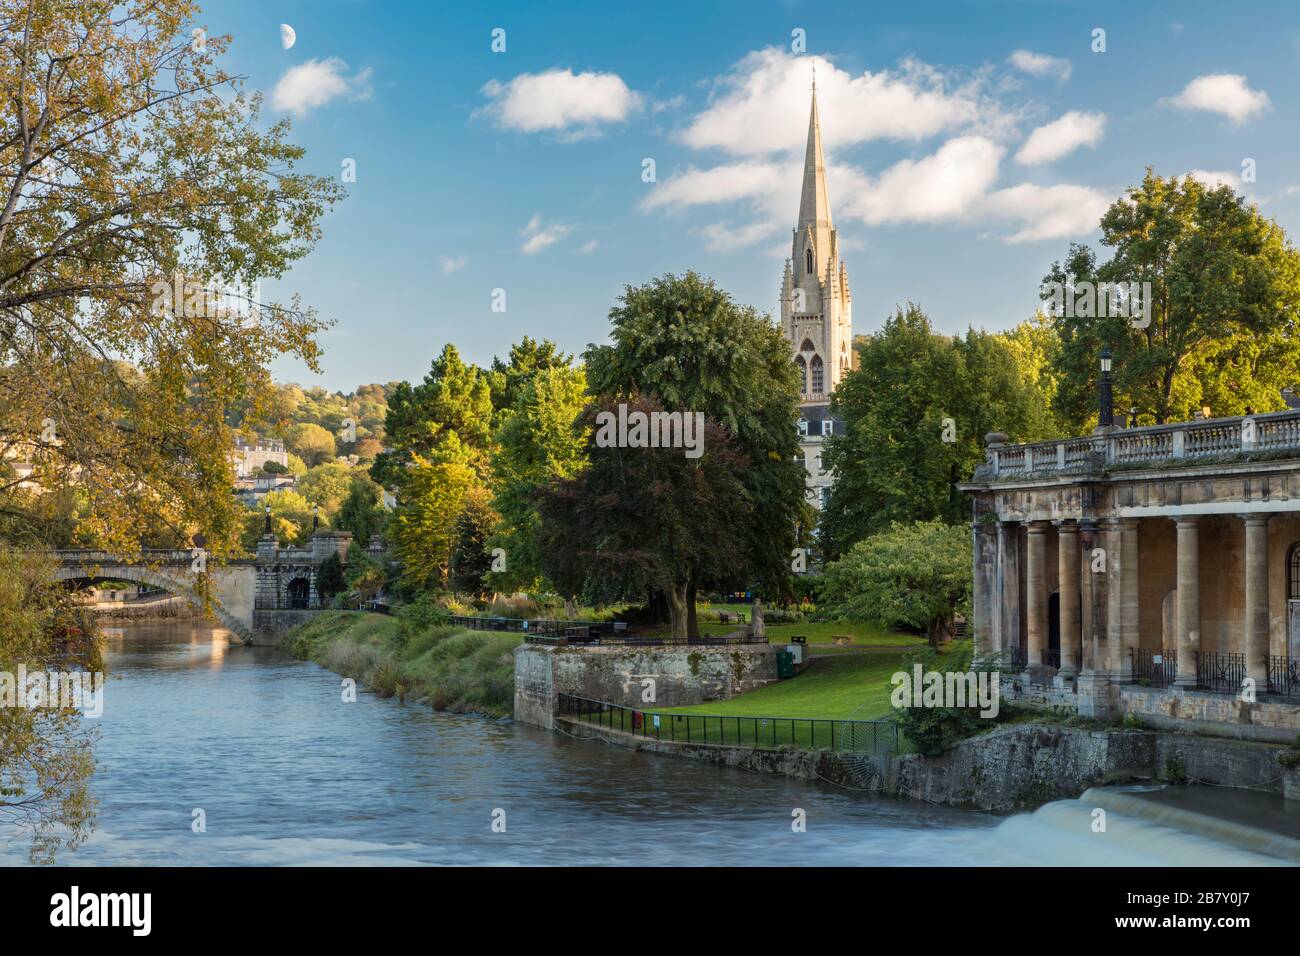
803	372
809	260
818	375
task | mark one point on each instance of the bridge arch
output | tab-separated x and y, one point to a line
159	578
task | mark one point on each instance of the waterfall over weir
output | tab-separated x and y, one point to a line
1154	826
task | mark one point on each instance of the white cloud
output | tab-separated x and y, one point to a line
304	87
589	247
454	263
1040	64
538	235
560	99
1216	177
1047	212
1062	136
762	105
1225	93
942	186
722	184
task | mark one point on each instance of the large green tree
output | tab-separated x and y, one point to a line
1224	306
682	343
642	519
916	411
538	442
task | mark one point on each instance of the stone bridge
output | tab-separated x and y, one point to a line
255	598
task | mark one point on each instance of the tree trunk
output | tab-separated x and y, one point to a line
692	624
570	608
676	598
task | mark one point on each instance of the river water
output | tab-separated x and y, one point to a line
285	772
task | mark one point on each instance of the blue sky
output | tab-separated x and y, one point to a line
967	145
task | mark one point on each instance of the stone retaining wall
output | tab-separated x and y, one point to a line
1010	769
682	675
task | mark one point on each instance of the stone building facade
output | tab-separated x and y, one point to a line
816	311
1151	570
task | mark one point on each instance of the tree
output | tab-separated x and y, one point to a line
46	753
142	200
916	411
471	560
526	360
365	577
330	581
326	485
537	443
312	443
645	518
453	400
432	497
362	511
1224	306
681	342
916	576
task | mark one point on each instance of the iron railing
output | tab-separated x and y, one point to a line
546	631
1152	672
1283	675
1220	672
804	733
1016	658
1052	658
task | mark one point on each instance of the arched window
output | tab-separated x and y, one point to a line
809	260
802	366
818	374
1293	573
807	346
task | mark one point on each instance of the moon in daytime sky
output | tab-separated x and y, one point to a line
287	36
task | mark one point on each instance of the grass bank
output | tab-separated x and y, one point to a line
859	633
450	668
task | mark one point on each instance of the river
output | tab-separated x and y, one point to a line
285	772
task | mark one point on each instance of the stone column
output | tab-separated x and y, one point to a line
1067	562
1188	616
1121	596
1088	622
1131	634
1255	631
1012	630
1036	592
984	605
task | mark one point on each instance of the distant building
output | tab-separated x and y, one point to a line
249	457
254	488
816	311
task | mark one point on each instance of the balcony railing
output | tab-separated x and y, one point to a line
1276	434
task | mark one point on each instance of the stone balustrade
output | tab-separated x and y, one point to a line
1275	434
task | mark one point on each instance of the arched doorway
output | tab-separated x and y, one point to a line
299	594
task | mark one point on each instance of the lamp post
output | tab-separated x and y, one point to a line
315	518
1106	416
267	528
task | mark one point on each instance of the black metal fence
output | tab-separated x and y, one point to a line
804	733
1283	675
1052	657
547	631
1220	672
1154	668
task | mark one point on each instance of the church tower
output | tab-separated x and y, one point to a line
816	309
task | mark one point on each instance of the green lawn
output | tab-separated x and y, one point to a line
854	685
807	712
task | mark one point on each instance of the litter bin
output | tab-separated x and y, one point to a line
784	664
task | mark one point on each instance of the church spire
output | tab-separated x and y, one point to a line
814	203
